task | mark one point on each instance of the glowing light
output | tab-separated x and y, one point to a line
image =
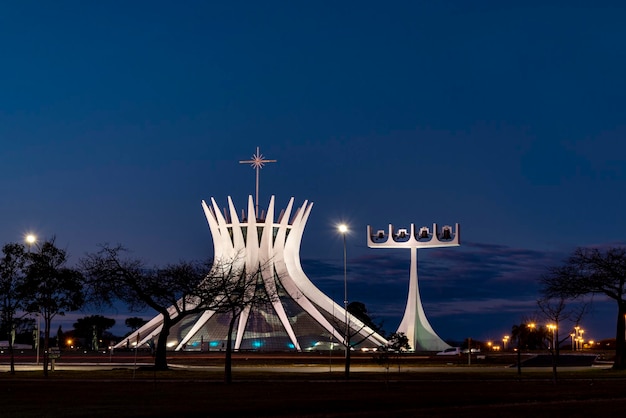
343	228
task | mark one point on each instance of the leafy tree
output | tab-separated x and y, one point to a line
92	327
134	323
12	275
594	271
527	335
359	311
24	329
397	343
51	288
172	291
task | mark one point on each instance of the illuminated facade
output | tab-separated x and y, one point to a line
414	323
301	319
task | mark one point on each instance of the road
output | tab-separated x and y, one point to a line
268	362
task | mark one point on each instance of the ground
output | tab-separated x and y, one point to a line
308	386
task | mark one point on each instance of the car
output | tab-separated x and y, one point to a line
474	350
452	351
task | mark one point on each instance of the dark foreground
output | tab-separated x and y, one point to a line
302	385
178	393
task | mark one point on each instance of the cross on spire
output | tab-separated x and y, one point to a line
257	162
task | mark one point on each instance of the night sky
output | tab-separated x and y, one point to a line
117	118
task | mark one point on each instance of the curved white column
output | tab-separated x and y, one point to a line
273	248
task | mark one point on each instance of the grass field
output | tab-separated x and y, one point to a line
442	391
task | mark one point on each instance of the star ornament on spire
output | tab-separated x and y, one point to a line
257	162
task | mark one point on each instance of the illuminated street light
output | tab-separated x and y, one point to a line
30	240
343	229
580	335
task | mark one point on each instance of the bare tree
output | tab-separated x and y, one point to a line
230	289
12	277
556	311
593	271
172	291
51	288
361	325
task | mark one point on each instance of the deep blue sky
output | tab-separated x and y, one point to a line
117	118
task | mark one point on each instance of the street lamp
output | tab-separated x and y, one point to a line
30	240
581	339
343	229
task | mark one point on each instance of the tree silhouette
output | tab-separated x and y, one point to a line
51	288
85	328
134	323
232	290
12	276
593	271
172	290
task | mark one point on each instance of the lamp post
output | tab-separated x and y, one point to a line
581	339
552	329
578	339
343	229
30	240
